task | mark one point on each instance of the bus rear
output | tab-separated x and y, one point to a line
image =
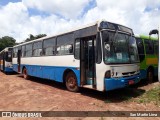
6	60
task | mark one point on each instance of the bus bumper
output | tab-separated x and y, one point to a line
113	83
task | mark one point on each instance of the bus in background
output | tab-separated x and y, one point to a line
155	31
6	60
101	56
148	55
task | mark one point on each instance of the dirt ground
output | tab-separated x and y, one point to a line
35	94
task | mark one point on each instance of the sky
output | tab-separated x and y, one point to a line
19	18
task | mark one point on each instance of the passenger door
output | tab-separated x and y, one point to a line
87	61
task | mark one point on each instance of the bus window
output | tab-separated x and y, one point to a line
8	56
29	50
37	48
149	47
65	50
77	49
15	51
65	44
156	47
49	46
23	51
140	47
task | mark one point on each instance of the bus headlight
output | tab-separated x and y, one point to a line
108	74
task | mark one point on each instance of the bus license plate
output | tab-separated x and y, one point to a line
131	82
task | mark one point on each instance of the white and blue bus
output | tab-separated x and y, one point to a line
101	56
6	60
156	31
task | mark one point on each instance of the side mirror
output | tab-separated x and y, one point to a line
155	31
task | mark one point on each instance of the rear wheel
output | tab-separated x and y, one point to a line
25	74
71	82
150	76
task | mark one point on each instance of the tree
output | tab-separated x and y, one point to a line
32	37
7	41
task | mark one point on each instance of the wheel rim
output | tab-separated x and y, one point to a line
71	82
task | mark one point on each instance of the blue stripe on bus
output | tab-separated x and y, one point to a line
6	69
48	72
113	83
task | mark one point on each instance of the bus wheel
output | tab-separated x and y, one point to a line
71	82
150	76
25	74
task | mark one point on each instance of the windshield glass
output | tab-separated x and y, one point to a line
119	48
8	56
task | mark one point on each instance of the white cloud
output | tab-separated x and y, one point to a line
17	22
131	13
68	9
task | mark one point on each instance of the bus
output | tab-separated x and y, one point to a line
101	56
6	60
148	55
156	31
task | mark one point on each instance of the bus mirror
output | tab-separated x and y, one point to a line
153	32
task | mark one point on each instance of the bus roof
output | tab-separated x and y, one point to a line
5	49
97	24
146	37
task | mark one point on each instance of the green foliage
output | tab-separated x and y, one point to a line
6	41
152	95
32	37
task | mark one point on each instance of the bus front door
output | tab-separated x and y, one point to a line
19	60
87	62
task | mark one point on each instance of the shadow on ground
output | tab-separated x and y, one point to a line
114	96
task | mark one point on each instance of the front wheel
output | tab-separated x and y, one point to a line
150	76
71	82
25	74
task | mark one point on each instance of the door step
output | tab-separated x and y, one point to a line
88	86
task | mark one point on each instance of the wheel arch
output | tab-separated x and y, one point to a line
23	68
150	68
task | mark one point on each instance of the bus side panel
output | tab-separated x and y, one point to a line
50	72
15	65
50	67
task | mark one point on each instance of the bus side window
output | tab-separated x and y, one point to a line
23	51
156	47
149	47
49	46
77	49
28	50
140	47
37	49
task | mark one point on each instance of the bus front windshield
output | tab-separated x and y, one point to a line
119	48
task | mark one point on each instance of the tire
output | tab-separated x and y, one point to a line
71	82
25	74
150	76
